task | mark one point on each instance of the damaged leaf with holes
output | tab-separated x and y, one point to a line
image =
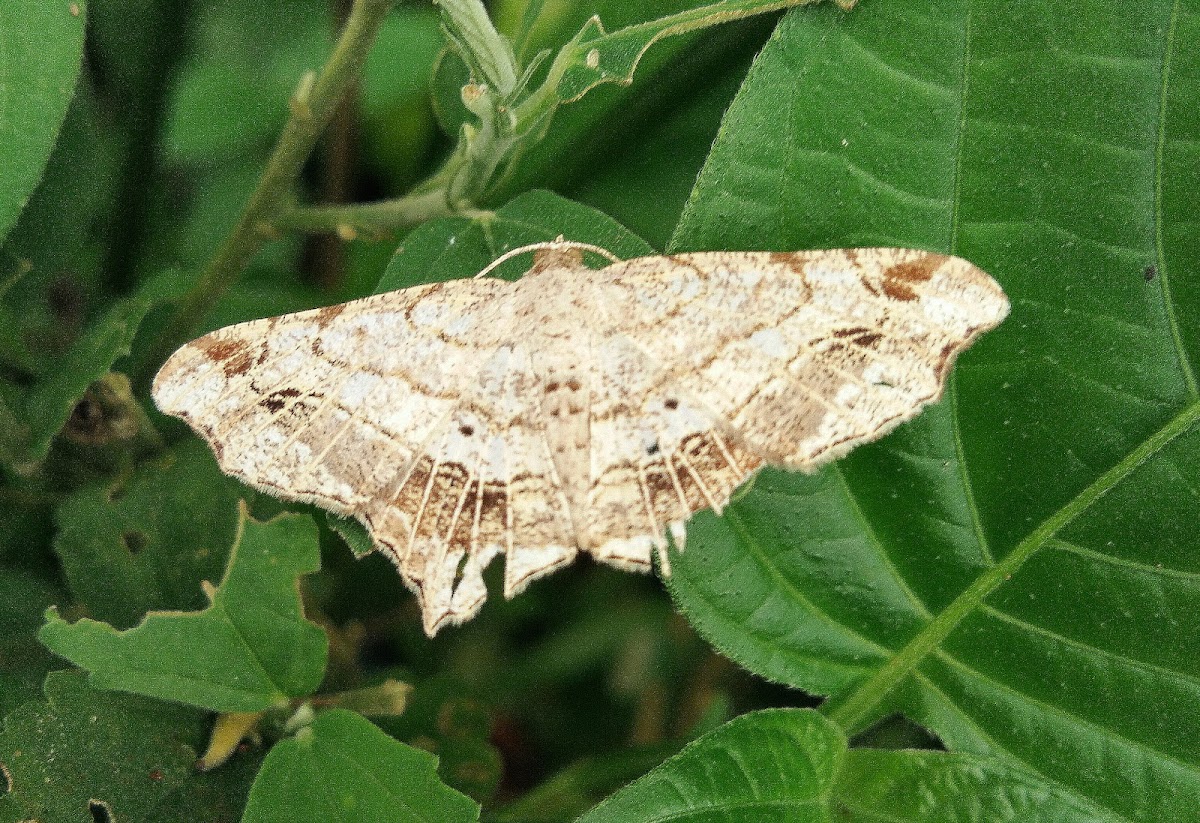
250	649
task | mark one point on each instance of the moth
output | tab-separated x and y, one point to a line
575	409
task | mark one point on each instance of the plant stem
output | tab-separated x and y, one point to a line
311	110
379	218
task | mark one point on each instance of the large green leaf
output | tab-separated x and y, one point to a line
1016	569
41	45
734	773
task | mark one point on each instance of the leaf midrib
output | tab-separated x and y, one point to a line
851	709
1160	257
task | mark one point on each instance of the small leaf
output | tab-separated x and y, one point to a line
83	746
354	533
134	544
229	729
387	699
51	401
456	247
342	768
775	765
594	56
250	649
41	46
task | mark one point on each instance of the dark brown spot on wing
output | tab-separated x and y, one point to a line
408	497
898	291
664	500
220	350
790	259
897	278
275	401
328	314
450	484
239	364
493	512
915	271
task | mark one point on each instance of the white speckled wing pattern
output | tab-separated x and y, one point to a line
575	409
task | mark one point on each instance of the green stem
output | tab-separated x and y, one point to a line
379	218
312	109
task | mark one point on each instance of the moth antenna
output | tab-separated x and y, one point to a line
557	243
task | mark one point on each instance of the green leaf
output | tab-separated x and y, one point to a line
921	786
252	648
52	261
793	765
214	113
342	768
445	720
734	773
51	401
1015	569
24	662
41	46
455	247
399	129
144	542
595	56
84	749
